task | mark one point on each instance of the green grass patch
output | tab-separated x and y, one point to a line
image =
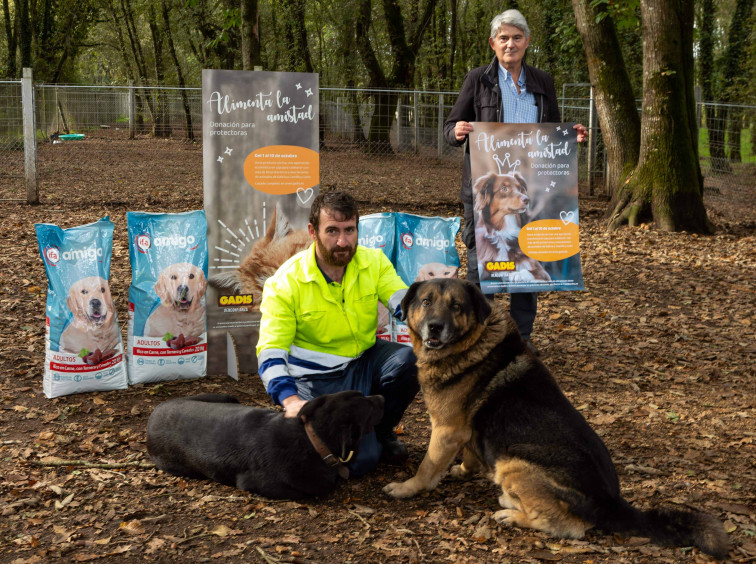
746	145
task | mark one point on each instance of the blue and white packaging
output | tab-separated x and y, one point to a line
425	249
83	345
167	334
378	231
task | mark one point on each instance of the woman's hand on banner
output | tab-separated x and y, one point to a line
461	130
582	132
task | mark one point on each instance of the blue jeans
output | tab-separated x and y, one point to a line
386	369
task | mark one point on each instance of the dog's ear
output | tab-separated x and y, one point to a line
72	302
481	305
270	233
161	290
377	404
408	298
483	190
201	283
521	181
308	409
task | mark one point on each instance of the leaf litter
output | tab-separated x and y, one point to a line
658	354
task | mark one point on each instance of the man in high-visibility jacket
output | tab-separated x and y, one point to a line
318	325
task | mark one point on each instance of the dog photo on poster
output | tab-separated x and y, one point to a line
525	197
261	170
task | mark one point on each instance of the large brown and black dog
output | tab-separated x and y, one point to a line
489	396
260	450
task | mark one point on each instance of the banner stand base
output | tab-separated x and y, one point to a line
232	360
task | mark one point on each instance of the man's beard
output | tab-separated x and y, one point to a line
330	257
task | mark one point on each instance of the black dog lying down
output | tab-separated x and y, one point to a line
259	450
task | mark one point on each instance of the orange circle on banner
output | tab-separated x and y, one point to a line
282	169
550	239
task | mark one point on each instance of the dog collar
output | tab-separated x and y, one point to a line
326	455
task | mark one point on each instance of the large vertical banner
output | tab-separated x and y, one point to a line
525	196
261	173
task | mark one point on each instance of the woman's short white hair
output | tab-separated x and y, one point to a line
510	17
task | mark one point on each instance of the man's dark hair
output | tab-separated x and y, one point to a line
341	203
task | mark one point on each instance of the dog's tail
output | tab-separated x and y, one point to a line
668	526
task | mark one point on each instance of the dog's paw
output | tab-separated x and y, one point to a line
399	490
459	472
507	517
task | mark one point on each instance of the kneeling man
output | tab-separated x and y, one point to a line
317	331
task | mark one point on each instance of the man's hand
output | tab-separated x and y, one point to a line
582	132
292	405
461	130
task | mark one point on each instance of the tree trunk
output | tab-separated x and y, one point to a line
452	45
179	73
139	103
404	51
11	35
735	73
615	103
297	58
25	35
160	126
666	187
141	67
715	116
250	35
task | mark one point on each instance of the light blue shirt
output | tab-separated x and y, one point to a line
516	108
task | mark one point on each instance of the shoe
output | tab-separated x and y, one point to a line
532	348
394	452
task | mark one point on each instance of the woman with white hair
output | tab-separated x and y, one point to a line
509	91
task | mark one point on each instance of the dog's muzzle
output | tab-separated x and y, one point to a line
433	333
95	311
183	301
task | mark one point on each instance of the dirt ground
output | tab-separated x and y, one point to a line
658	354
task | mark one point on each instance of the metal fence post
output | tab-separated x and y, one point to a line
416	118
399	129
591	142
30	137
132	111
440	125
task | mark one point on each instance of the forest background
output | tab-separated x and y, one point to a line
670	54
412	44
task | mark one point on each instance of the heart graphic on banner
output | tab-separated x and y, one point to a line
567	217
305	195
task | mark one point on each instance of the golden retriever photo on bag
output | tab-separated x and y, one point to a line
500	200
492	399
181	289
93	325
436	270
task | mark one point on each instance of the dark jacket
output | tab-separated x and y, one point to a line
480	100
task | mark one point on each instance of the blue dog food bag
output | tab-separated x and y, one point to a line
425	249
167	335
377	231
83	345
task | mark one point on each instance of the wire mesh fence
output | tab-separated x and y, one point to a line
119	111
386	121
11	130
372	121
